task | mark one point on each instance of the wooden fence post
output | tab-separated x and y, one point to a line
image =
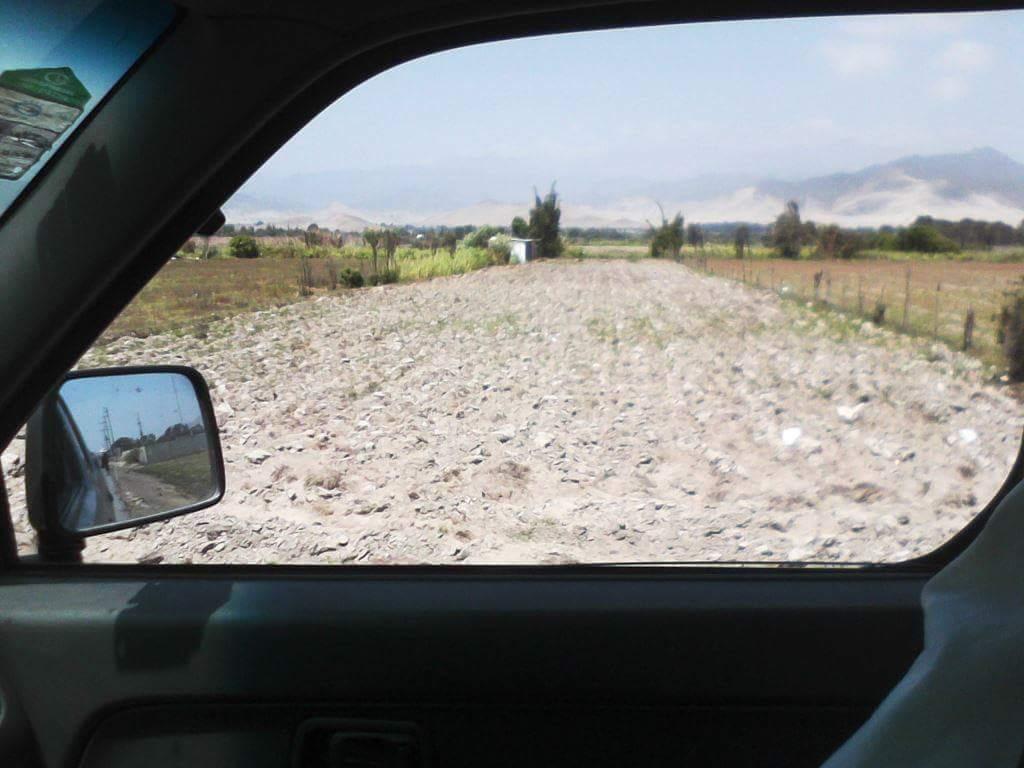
935	317
906	302
969	329
860	294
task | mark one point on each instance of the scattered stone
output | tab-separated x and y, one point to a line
257	457
543	440
849	414
505	434
791	435
628	407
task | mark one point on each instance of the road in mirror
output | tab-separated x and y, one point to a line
145	443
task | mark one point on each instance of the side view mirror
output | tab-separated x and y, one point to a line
117	448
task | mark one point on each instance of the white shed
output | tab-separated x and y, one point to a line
523	250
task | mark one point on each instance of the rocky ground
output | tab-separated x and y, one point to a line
563	412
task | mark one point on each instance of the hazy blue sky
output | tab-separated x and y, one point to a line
787	98
158	400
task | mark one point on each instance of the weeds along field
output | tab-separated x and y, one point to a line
921	298
189	293
922	295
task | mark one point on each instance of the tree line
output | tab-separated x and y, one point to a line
789	235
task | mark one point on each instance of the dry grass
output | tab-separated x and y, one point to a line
940	294
942	291
188	294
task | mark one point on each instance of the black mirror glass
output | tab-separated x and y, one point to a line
134	446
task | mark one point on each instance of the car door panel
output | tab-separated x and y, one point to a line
535	668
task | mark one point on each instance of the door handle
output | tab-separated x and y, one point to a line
325	742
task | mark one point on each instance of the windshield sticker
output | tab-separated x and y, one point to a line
36	107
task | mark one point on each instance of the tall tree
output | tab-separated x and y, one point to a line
544	223
390	240
829	241
312	236
787	232
450	241
372	238
667	239
741	240
694	235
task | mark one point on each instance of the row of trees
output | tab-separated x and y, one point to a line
543	226
788	235
667	238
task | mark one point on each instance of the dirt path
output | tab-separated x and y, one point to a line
593	411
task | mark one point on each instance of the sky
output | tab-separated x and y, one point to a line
158	400
781	98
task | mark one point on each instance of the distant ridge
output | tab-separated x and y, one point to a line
982	183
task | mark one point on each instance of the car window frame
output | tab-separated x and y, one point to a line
329	85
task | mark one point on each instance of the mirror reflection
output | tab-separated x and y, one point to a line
141	444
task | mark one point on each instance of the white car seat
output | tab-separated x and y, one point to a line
962	702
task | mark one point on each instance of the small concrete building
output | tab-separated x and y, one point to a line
523	250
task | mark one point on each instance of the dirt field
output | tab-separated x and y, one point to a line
575	411
935	302
940	292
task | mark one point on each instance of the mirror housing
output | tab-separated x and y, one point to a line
115	448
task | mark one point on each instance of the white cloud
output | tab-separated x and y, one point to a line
949	88
856	57
960	60
966	57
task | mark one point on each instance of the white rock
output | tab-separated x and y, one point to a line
791	435
967	436
505	434
849	414
257	457
543	440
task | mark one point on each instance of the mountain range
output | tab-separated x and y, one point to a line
981	184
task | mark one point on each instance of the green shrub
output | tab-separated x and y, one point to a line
244	247
667	239
384	277
351	278
440	265
925	239
878	316
500	248
836	243
479	237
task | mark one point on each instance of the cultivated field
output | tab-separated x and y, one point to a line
933	303
188	294
598	411
927	298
